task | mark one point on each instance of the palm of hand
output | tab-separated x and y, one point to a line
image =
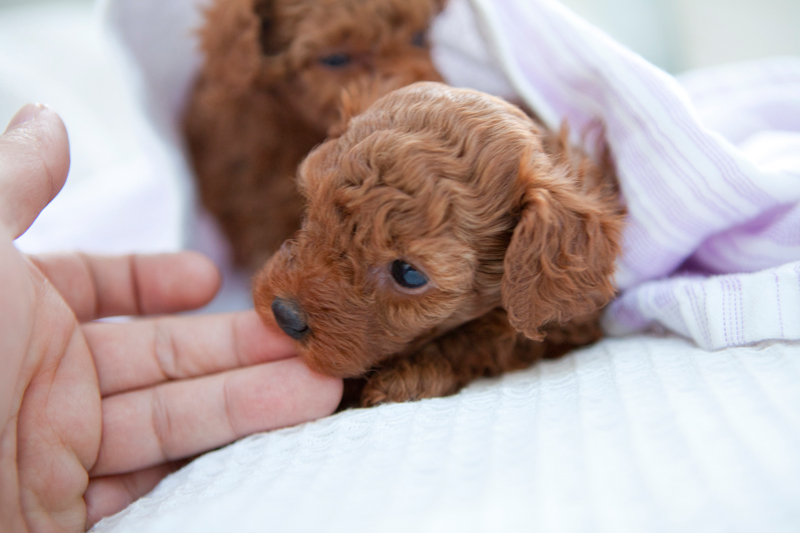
93	415
58	430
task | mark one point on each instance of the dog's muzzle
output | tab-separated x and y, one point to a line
290	318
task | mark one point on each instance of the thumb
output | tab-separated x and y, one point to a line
34	162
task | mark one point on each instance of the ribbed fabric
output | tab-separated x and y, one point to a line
637	434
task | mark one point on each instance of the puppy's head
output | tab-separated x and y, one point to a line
306	51
435	206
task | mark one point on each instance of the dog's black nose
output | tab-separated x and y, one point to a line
290	318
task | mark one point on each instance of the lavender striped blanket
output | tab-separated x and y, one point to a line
709	166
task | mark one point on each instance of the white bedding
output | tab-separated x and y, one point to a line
642	434
646	432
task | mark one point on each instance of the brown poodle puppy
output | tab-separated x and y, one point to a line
447	237
270	90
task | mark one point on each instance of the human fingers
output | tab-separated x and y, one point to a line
34	162
109	495
97	286
146	352
152	426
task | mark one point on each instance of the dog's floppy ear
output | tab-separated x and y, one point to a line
233	44
561	258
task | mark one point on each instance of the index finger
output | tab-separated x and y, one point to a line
97	286
154	425
147	352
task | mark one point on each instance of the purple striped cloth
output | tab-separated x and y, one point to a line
709	167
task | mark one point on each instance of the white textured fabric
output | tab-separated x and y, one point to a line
637	434
697	202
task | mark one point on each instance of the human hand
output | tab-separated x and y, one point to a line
93	415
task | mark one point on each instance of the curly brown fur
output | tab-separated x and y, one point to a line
516	234
265	97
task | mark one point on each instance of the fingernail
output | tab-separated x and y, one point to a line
27	113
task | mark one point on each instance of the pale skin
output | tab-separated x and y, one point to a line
94	414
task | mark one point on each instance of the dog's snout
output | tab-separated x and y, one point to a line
290	318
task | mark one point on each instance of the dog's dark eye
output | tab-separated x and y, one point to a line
336	60
407	276
419	39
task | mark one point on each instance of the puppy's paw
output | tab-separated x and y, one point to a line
410	379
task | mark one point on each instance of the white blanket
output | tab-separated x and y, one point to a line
636	434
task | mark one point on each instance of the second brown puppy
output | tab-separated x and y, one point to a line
447	237
269	90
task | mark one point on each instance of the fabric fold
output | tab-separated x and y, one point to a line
697	201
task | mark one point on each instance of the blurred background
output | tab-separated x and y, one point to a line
679	35
676	35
